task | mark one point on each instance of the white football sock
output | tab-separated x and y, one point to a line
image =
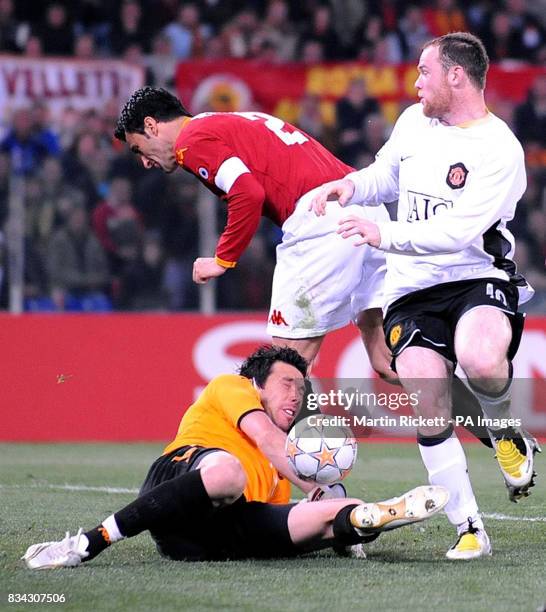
446	466
112	528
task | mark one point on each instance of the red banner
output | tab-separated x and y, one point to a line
130	377
239	85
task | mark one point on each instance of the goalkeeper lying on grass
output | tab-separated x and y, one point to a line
221	489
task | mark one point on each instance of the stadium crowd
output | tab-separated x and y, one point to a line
97	236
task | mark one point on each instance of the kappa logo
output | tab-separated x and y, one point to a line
456	177
276	318
394	336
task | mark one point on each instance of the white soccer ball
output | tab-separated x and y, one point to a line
320	452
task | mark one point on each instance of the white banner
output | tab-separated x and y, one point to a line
61	83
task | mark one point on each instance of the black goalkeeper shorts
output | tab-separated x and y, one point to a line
239	531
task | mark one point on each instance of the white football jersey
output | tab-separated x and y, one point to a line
457	187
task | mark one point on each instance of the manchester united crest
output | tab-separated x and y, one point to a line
456	177
395	334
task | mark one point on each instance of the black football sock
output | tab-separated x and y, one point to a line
176	499
466	405
179	499
345	533
98	541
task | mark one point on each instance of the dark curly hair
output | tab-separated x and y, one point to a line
258	365
148	102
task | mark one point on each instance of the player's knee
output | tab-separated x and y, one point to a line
224	479
484	365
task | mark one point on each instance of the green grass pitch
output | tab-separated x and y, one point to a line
48	489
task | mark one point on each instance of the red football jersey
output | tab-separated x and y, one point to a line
259	164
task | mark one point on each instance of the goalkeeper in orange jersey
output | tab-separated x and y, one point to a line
221	489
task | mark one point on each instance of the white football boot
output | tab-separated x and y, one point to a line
471	544
514	451
69	552
414	506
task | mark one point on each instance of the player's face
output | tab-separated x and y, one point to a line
432	87
154	151
282	394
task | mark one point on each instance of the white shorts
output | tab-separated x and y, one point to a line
321	280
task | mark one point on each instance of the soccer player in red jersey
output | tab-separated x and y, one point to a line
262	166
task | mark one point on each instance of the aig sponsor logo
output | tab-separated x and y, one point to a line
422	206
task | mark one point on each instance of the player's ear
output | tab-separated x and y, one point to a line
150	126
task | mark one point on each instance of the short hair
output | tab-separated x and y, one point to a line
148	102
465	50
258	365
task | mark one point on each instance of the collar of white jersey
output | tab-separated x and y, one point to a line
474	122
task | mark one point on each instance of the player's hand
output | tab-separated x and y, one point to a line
354	225
341	190
205	268
334	491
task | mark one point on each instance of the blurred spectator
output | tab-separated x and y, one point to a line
413	32
375	130
312	52
161	63
187	34
129	28
444	17
26	147
8	27
118	226
530	117
143	279
68	127
42	130
527	32
56	34
33	47
84	48
276	37
5	171
310	116
352	111
254	275
237	34
499	38
178	227
77	265
389	12
76	163
375	43
321	31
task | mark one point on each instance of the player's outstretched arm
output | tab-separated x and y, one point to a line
341	190
271	441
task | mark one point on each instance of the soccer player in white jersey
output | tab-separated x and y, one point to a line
452	291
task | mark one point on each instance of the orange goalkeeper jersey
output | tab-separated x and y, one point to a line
213	421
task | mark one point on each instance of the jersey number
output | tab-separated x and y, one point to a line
277	125
495	294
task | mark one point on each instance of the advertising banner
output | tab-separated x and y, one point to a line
62	83
130	377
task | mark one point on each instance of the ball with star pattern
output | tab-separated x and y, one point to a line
320	452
